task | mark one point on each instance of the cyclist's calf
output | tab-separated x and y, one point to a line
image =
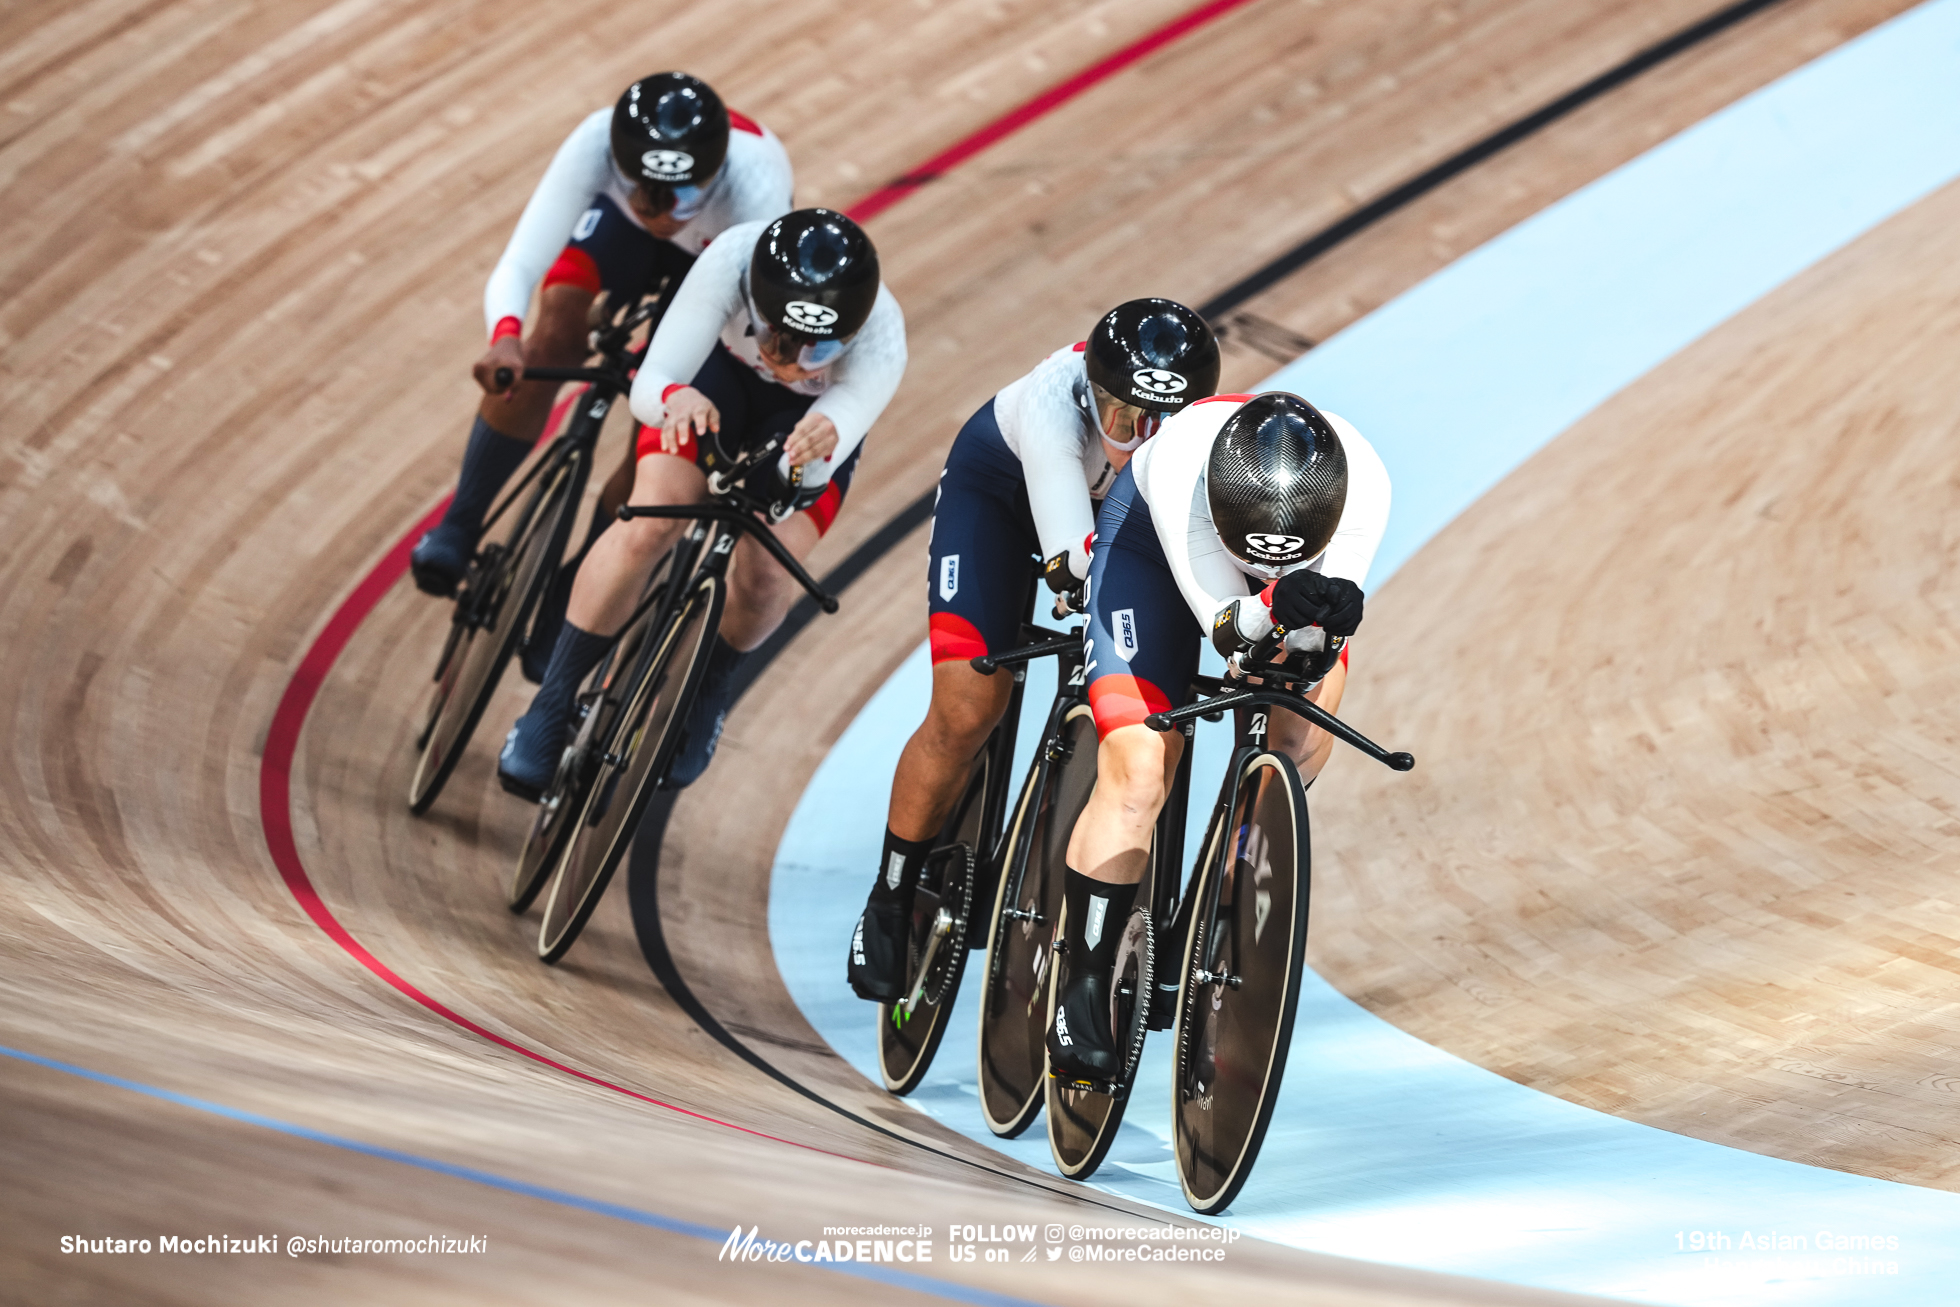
613	574
1134	770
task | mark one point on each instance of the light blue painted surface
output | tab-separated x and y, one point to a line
1384	1147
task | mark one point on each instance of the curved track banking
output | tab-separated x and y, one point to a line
243	246
1377	1133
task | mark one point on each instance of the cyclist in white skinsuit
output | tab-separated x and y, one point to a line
1021	483
782	329
633	195
1244	513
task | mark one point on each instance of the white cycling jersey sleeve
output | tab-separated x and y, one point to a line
753	183
1047	420
1170	472
712	304
709	296
578	171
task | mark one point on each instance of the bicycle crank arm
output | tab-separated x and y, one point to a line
942	926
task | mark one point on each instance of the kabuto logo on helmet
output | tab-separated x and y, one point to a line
1270	544
805	316
1158	383
667	165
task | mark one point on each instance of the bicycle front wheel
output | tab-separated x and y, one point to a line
1020	942
1240	983
634	756
490	618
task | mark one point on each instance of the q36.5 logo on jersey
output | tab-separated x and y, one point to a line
805	316
1269	544
1158	383
667	165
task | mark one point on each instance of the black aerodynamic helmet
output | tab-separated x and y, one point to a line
670	130
814	276
1155	354
1277	480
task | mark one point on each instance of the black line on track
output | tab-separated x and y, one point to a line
643	871
643	868
1423	183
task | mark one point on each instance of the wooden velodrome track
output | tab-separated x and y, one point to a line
243	249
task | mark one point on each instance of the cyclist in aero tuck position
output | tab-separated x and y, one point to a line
781	330
632	196
1245	513
1021	483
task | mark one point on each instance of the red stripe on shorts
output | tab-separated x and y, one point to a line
953	637
1123	700
824	511
574	268
648	442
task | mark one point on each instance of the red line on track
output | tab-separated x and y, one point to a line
289	718
1015	119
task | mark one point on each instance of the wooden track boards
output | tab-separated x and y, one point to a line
243	249
1681	846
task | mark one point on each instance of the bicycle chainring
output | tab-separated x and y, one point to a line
1136	972
955	864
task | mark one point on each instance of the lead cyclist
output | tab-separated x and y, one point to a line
1021	483
1245	512
634	195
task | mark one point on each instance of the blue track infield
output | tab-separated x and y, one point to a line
1383	1147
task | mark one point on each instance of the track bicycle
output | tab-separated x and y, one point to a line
1240	926
1027	900
630	714
956	878
502	593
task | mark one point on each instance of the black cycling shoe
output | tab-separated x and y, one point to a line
530	755
1079	1043
877	963
440	559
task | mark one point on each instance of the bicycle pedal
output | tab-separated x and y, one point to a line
1111	1089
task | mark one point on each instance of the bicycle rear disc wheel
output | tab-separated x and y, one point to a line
635	754
1249	926
470	670
565	799
909	1039
1020	949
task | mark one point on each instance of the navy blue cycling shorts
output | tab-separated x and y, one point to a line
985	553
1143	640
611	252
753	410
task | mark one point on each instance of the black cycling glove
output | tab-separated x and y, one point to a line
1303	598
1071	595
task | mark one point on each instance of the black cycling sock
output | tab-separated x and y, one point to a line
898	868
1097	912
489	460
572	660
723	660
